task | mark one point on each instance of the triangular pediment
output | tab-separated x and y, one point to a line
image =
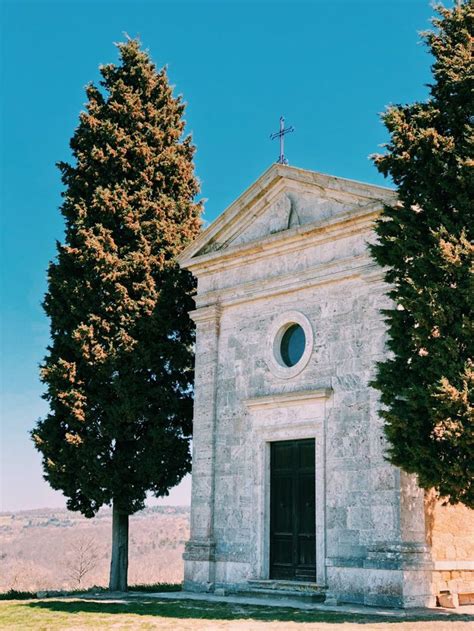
282	199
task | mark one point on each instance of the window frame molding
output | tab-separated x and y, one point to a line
274	337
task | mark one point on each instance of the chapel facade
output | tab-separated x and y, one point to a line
290	486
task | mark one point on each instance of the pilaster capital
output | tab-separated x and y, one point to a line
209	314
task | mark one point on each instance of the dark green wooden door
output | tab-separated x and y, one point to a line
292	511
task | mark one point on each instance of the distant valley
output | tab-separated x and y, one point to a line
56	549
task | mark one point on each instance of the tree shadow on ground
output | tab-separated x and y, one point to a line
189	609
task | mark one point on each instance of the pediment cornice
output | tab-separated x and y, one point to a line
360	202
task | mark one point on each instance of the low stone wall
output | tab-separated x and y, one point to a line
455	581
450	534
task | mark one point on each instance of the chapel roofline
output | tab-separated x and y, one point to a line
273	175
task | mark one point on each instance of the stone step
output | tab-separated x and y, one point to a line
300	586
295	590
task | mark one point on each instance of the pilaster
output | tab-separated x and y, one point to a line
418	564
199	552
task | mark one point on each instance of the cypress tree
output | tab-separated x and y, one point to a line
119	369
426	244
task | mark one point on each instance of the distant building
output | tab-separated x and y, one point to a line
291	490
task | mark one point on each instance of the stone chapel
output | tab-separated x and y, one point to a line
290	488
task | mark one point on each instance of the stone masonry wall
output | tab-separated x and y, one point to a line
362	489
369	522
450	533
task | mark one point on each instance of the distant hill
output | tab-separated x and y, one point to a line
57	549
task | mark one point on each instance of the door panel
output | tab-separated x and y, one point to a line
292	510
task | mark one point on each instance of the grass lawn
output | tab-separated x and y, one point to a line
188	615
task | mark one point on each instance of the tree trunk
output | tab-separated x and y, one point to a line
119	563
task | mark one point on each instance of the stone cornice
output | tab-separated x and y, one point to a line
284	242
335	271
299	397
447	566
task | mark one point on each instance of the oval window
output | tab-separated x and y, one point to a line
292	345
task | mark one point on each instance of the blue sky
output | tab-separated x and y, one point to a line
330	66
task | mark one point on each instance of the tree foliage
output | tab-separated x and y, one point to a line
426	244
119	370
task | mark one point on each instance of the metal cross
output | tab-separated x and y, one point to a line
281	135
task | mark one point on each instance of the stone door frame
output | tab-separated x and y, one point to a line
293	416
